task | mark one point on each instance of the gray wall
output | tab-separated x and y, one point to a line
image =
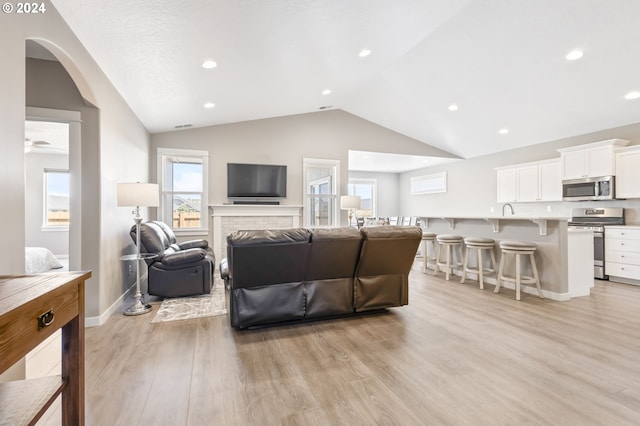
115	129
472	185
287	140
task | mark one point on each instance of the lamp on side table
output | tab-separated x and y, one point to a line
137	195
351	203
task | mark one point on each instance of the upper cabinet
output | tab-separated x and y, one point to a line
530	182
628	172
591	160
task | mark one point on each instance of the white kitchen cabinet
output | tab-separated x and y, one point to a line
507	187
628	172
622	253
530	182
590	160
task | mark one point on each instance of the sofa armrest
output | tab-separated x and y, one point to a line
184	256
193	244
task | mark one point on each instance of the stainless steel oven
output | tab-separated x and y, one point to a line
596	220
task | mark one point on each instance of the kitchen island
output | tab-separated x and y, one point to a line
564	257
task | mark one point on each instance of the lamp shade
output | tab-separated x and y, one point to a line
138	194
349	202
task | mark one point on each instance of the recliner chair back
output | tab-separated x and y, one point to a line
382	274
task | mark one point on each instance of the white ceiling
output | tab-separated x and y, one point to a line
46	137
501	61
365	161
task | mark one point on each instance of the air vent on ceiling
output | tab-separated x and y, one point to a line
182	126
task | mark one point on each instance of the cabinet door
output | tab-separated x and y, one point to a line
550	181
507	188
600	161
527	183
628	174
574	164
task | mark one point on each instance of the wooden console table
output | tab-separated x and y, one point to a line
32	308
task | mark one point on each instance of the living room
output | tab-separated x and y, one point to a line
117	146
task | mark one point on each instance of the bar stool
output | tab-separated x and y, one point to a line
480	244
518	248
448	243
429	239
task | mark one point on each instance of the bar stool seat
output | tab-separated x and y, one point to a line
448	242
518	248
429	261
480	244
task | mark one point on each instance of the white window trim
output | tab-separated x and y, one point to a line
429	184
312	162
374	195
162	153
45	226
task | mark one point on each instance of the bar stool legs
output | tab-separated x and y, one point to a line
479	244
429	261
518	249
447	243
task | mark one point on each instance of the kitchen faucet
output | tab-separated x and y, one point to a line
510	207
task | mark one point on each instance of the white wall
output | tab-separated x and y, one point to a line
121	154
472	185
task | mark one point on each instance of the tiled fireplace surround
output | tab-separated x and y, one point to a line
227	218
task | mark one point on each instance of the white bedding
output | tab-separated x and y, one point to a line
39	259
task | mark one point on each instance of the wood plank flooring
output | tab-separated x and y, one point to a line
455	355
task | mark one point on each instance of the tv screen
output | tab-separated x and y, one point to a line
256	181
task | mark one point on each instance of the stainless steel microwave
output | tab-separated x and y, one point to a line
594	188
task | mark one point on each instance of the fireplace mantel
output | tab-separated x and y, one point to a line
227	218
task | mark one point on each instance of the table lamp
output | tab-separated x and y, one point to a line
137	195
351	203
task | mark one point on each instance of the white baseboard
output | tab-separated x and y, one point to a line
99	320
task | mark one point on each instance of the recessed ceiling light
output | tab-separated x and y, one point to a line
503	131
453	107
209	64
209	105
364	53
574	54
632	95
326	91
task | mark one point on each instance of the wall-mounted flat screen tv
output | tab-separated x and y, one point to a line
256	181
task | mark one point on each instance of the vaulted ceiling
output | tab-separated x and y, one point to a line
502	63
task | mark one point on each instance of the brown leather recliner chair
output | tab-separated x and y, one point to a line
180	269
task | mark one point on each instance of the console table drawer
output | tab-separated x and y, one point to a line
22	332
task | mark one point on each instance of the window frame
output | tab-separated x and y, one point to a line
165	214
333	210
46	226
374	191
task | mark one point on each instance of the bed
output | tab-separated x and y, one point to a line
40	259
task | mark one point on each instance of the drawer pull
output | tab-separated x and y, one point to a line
46	319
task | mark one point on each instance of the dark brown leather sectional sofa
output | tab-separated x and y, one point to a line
275	276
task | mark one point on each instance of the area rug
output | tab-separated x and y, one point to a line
181	308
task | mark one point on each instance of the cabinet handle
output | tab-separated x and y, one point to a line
46	319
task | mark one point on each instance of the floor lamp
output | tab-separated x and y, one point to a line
137	195
351	203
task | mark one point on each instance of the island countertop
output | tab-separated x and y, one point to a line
564	257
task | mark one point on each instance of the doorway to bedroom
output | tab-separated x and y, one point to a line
47	195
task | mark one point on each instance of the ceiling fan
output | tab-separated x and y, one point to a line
42	147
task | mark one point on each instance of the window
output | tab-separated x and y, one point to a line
183	176
429	184
366	190
321	183
56	198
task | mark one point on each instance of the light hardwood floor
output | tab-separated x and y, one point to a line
455	355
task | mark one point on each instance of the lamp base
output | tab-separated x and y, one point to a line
138	308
